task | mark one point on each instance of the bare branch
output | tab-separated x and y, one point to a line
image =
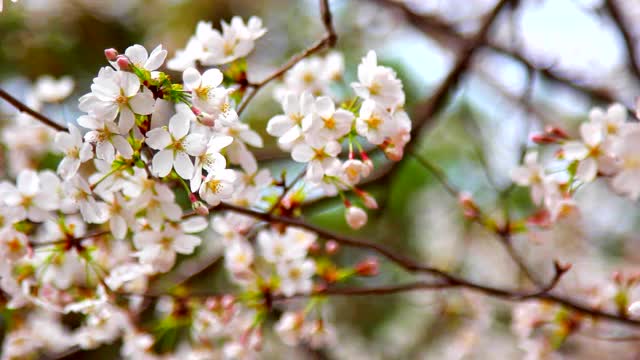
617	14
22	107
328	40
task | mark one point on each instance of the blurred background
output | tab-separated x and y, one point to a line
544	62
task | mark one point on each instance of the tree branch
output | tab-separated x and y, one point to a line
617	14
433	27
22	107
328	40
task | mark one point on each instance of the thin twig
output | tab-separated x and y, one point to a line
22	107
285	190
328	40
617	14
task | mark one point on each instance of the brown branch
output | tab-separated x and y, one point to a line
328	40
285	190
449	280
425	112
432	26
617	14
22	107
422	285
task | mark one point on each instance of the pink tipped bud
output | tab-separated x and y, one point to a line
368	200
365	157
111	54
356	217
469	207
543	139
556	131
368	267
314	248
123	62
200	208
227	301
394	153
212	303
331	247
617	277
206	119
196	111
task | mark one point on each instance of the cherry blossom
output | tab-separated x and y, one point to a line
175	145
76	151
119	93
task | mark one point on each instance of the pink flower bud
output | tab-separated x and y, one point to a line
556	131
111	54
227	301
123	62
314	248
206	119
469	207
394	153
212	303
368	200
356	217
368	267
196	111
331	247
200	208
543	139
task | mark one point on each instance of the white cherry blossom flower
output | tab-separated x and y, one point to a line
78	195
159	248
75	150
208	95
14	245
320	156
218	186
119	93
288	126
354	170
210	160
295	276
31	196
276	247
236	41
627	149
107	137
290	327
140	58
327	123
175	145
378	83
373	122
48	89
187	57
238	257
120	216
531	174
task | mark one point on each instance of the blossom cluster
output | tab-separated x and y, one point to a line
607	148
314	129
92	236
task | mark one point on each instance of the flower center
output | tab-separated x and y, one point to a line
374	122
375	88
202	92
308	77
228	48
329	123
295	273
122	100
215	186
